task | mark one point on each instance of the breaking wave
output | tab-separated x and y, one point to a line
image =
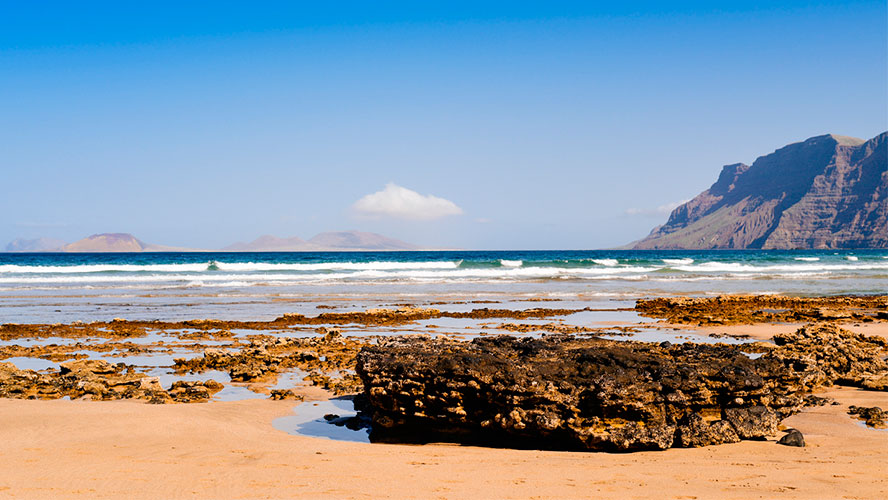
219	270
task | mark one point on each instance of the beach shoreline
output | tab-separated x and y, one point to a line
232	449
86	449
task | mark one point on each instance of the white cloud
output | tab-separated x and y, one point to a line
402	203
656	212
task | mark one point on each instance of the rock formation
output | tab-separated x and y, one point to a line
98	380
748	309
826	192
570	393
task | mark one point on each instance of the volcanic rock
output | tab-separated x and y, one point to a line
757	422
873	417
567	393
828	355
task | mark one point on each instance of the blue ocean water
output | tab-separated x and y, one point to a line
61	287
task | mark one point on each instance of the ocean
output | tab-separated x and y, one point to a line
51	287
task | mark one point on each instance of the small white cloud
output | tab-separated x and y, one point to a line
402	203
656	212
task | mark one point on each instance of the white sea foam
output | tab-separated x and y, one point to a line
222	266
714	267
334	266
241	275
606	262
513	273
678	262
103	268
851	258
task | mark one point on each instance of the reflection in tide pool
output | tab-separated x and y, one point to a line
676	337
308	420
36	364
237	393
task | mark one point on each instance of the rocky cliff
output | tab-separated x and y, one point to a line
826	192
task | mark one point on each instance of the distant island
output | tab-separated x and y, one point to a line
338	241
124	242
828	192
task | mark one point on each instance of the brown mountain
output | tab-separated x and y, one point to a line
826	192
115	242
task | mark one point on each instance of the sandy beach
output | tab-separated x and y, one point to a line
231	449
85	449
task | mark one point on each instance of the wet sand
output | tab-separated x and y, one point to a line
84	449
230	449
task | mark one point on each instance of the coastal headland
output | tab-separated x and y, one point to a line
211	408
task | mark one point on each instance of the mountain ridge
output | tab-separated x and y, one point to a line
326	241
828	191
127	243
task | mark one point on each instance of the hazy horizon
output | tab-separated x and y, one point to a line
502	126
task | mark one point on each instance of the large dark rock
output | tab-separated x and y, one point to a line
573	393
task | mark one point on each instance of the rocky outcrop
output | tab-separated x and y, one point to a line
594	394
570	394
829	355
98	380
327	361
826	192
871	416
747	309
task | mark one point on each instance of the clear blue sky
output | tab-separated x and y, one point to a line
545	124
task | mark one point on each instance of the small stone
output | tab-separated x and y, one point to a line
281	394
150	384
793	438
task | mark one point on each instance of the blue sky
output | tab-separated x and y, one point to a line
543	125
